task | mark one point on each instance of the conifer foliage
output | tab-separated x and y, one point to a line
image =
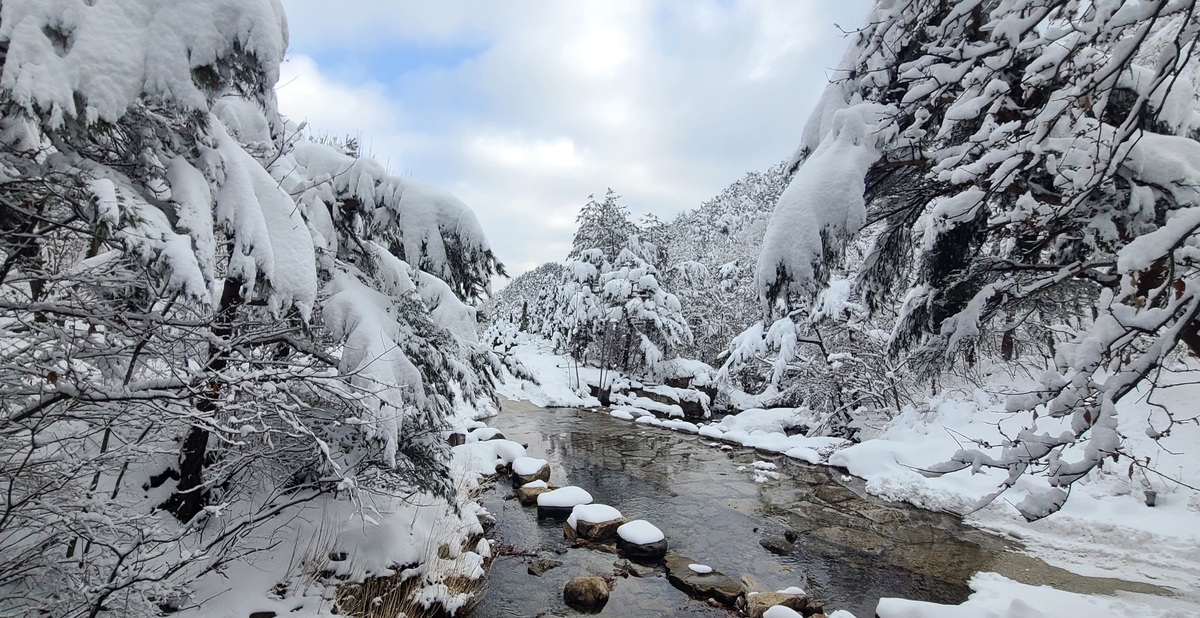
1025	172
205	317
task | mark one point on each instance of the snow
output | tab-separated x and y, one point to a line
775	420
565	497
592	514
555	375
677	425
538	484
119	50
622	414
780	611
482	434
270	236
640	532
645	403
700	568
525	466
484	457
1104	530
823	205
792	590
994	596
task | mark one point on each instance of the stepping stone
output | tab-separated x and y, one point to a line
641	541
529	492
593	522
685	574
528	469
559	503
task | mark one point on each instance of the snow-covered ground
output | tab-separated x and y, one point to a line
1105	529
336	539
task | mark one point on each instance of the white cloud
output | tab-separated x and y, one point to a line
664	102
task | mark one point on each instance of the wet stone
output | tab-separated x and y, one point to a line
834	494
643	552
538	566
587	592
528	495
777	545
757	603
713	585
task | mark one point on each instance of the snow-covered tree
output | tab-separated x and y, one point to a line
602	225
711	252
642	322
1016	164
205	318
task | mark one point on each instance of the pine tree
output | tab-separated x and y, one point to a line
602	225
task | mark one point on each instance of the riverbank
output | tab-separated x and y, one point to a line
1106	530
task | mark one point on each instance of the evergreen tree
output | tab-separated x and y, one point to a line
602	225
202	312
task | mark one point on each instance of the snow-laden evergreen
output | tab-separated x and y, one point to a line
207	320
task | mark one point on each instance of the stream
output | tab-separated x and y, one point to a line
851	550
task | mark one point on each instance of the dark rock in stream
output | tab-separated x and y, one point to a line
646	553
538	566
777	545
712	585
600	532
586	592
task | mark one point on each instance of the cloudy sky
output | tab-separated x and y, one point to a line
523	109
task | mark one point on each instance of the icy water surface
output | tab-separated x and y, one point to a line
852	548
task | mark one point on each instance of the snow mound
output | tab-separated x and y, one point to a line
780	611
592	514
525	466
995	596
538	484
624	415
775	420
485	457
702	569
792	590
680	426
565	497
640	532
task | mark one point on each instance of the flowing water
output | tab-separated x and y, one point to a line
852	548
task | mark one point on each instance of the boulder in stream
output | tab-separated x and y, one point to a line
538	566
701	581
528	469
641	541
529	492
593	522
559	503
757	603
586	592
777	544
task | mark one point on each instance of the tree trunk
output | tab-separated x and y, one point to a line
190	497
